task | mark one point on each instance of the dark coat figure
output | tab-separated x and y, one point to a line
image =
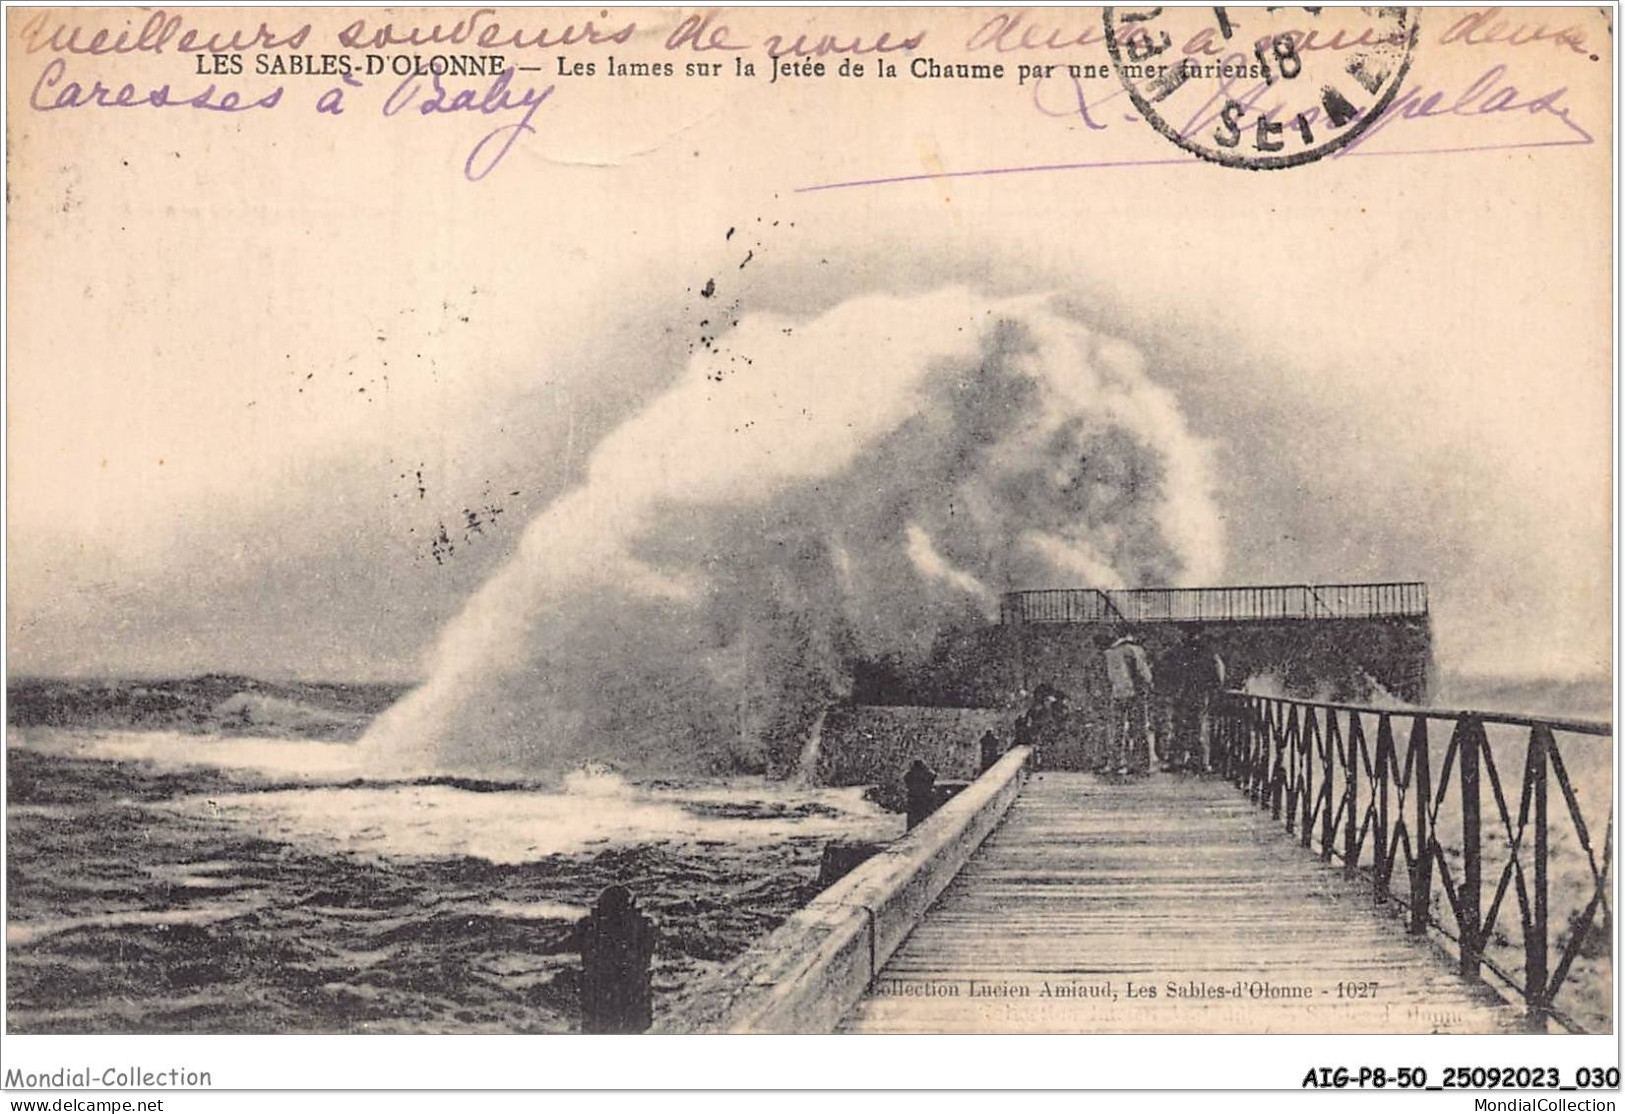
919	790
989	751
1048	718
1024	733
1199	678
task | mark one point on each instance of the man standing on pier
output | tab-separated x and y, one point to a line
1198	679
1128	671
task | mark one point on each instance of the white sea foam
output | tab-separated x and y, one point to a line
809	493
521	825
295	759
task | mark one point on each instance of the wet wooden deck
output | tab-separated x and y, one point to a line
1094	895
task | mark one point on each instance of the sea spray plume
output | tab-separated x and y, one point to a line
810	494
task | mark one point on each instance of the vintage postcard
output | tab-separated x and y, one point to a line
810	520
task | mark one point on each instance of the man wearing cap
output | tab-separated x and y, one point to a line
1128	671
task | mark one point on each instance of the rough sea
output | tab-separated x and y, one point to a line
175	882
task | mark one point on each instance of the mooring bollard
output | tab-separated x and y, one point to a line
617	944
841	857
919	785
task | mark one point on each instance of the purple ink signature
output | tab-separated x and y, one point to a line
429	97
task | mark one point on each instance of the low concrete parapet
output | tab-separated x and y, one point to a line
807	974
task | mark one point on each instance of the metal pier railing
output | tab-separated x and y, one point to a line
1461	804
1232	604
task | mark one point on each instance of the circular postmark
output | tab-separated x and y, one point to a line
1260	88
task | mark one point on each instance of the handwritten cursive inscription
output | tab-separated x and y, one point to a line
77	48
703	32
158	32
1010	31
1006	32
804	46
52	92
1490	93
482	30
1483	28
431	97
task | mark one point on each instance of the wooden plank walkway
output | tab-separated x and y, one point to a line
1092	891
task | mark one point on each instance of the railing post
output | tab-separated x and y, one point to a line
1265	758
1244	747
1422	864
1249	759
1240	757
1289	764
617	945
1355	743
1472	857
1253	713
1327	809
1277	774
1266	753
1379	862
1536	973
1307	731
1232	746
